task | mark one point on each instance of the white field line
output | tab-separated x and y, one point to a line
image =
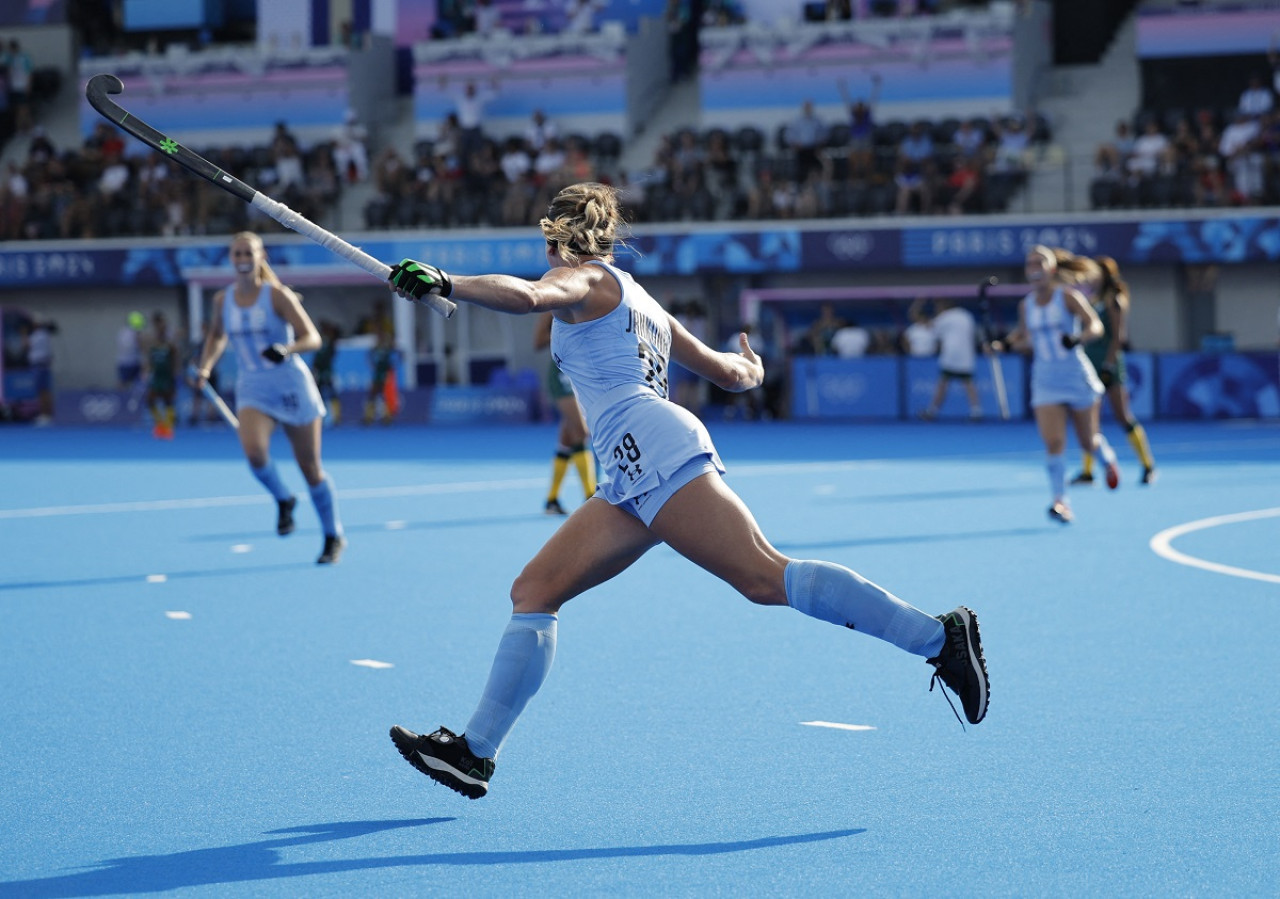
1161	544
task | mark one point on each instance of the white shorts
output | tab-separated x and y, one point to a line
1071	383
647	505
286	393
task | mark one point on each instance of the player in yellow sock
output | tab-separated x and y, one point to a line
585	462
572	439
1111	302
161	361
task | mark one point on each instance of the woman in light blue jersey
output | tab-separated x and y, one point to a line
1054	320
660	483
266	327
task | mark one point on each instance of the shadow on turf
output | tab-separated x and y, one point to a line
450	524
913	538
926	495
260	861
142	578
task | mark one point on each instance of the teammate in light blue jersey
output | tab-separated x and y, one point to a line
661	483
1054	321
266	327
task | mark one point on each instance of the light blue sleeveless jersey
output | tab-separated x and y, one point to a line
286	392
1058	375
618	367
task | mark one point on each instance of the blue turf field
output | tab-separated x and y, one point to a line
1130	748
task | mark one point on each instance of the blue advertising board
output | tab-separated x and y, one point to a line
828	387
922	380
1219	385
678	249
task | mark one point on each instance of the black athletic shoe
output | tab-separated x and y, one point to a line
446	758
332	552
1148	476
284	522
1061	513
1082	478
960	665
553	507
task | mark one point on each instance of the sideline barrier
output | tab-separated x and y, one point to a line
1161	386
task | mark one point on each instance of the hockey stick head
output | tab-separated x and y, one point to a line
96	92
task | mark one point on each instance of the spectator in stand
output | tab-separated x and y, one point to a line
289	175
517	170
1268	144
970	142
1208	186
578	167
963	186
548	162
13	203
915	171
19	72
41	148
115	175
470	109
1243	161
862	158
390	174
721	175
1012	143
682	38
1112	157
539	130
919	337
448	137
487	18
323	184
804	137
1256	100
350	151
104	143
1152	152
851	341
686	164
822	330
1273	58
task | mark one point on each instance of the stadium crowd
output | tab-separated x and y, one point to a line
1227	155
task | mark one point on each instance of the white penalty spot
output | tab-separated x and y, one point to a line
242	548
835	726
397	525
178	616
371	663
157	578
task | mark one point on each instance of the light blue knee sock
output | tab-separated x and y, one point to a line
1057	475
520	666
833	593
1103	446
270	479
326	507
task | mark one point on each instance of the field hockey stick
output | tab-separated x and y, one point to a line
100	86
997	372
218	403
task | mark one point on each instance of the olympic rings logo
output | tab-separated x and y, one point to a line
99	407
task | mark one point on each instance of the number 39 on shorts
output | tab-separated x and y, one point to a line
627	455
